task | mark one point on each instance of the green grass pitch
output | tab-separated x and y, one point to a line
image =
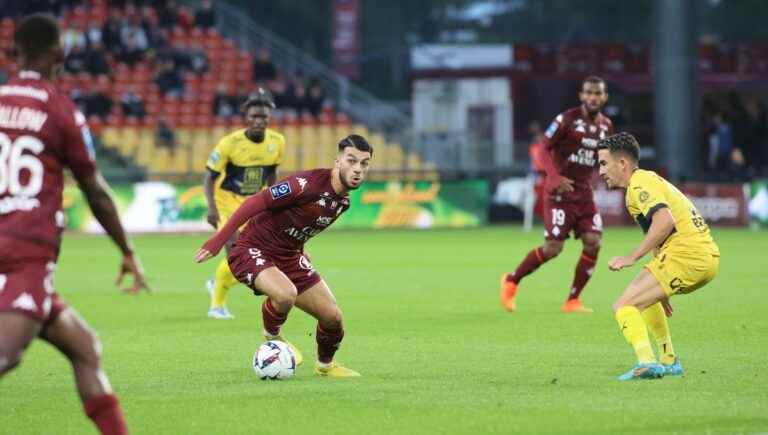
424	327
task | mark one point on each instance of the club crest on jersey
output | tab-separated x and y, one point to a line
280	190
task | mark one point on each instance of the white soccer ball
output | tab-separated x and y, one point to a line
274	360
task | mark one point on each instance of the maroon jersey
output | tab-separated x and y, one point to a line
41	133
298	208
572	141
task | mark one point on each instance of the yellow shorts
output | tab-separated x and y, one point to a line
683	272
227	204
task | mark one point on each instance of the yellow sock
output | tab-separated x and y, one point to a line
656	321
224	280
633	327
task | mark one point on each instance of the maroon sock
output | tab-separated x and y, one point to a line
328	343
584	269
106	414
532	261
272	319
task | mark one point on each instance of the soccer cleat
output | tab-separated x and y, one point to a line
674	369
335	370
221	313
644	371
209	285
507	294
297	356
575	306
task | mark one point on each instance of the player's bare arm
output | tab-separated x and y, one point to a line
97	193
254	205
208	185
662	225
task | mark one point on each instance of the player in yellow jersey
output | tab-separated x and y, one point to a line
243	163
685	255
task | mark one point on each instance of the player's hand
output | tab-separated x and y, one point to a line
203	255
618	263
667	307
213	217
132	266
564	185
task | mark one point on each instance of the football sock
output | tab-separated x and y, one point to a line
633	327
584	269
532	261
657	323
106	414
224	280
272	319
328	341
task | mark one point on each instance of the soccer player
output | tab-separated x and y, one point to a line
243	163
41	133
685	256
569	164
269	255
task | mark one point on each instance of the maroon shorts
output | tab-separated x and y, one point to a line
247	262
28	289
560	218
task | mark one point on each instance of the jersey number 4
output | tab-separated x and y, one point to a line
13	161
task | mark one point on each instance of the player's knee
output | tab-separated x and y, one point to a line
285	298
9	359
333	320
89	352
592	246
552	249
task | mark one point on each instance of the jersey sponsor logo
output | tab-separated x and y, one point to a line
22	118
23	91
303	234
280	190
552	129
583	157
324	221
589	142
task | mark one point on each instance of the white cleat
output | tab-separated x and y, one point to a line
221	313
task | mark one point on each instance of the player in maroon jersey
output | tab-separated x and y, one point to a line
570	163
269	255
41	133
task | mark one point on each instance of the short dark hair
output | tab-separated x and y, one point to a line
258	98
36	34
356	141
622	143
594	80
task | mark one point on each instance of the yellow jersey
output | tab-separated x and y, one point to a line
244	165
648	192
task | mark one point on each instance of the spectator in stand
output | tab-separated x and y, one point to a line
315	99
167	15
93	33
755	131
135	32
111	31
96	60
263	68
169	79
164	135
280	96
198	61
130	54
132	103
98	103
74	36
225	104
181	57
205	17
720	143
75	61
299	103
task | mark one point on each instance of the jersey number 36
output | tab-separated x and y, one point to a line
13	161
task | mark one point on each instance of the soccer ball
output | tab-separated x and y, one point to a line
274	360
